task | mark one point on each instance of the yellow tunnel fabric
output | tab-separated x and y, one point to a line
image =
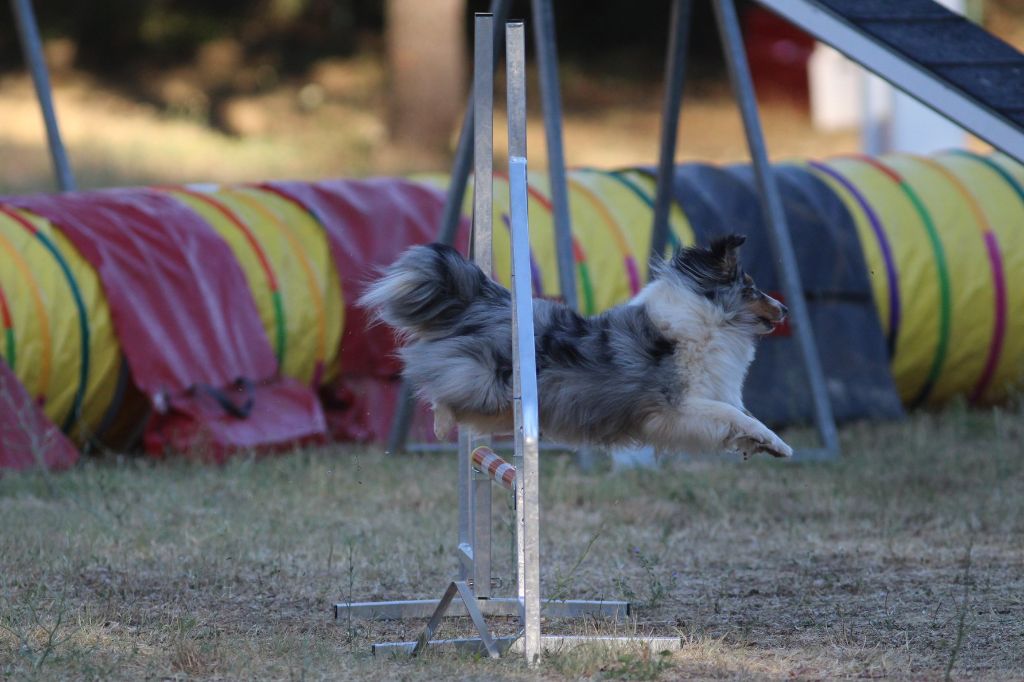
1006	208
28	347
680	231
970	285
319	277
611	221
284	255
1002	206
870	242
47	329
917	338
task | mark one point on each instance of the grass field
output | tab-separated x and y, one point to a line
903	559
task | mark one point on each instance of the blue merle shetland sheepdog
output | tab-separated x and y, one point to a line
665	369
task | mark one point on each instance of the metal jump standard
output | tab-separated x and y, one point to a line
479	467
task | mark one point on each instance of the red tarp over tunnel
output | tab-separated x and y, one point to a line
368	222
186	320
27	437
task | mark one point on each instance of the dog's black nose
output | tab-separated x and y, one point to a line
784	309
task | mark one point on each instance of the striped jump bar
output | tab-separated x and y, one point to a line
497	468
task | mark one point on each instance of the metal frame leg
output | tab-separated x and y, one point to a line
551	105
778	230
481	532
31	47
506	607
458	587
466	550
675	78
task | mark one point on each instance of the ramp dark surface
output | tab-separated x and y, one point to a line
946	44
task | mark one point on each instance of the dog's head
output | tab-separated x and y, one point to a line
715	273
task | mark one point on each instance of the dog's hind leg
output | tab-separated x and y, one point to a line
444	420
722	426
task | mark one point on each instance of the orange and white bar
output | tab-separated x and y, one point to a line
503	473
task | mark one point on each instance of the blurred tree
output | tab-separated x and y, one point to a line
114	35
427	64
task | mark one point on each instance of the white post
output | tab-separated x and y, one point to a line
917	129
844	95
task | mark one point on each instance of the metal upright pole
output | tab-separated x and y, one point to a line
527	423
775	217
551	104
478	486
675	77
464	151
450	215
31	47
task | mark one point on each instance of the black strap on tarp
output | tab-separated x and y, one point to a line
240	385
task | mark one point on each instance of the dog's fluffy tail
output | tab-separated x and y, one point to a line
427	290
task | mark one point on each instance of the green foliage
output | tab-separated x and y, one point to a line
114	34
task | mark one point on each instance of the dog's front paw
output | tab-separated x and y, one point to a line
777	448
768	442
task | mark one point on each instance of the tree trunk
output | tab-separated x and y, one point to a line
427	67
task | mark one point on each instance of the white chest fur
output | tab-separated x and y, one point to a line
712	356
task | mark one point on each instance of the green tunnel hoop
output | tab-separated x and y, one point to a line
945	312
83	319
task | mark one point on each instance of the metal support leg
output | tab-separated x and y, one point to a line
31	47
466	552
506	607
464	151
481	534
474	549
775	217
460	588
675	76
551	104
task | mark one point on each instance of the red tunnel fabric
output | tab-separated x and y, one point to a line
368	222
185	317
27	437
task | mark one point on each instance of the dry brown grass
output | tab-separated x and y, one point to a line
114	140
130	569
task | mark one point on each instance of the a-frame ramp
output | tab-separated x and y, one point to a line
933	54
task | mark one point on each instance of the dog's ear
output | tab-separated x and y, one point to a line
724	250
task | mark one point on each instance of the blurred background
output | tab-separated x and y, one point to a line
154	91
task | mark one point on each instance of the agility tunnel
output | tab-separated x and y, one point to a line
209	319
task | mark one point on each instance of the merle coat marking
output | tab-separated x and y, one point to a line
667	368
